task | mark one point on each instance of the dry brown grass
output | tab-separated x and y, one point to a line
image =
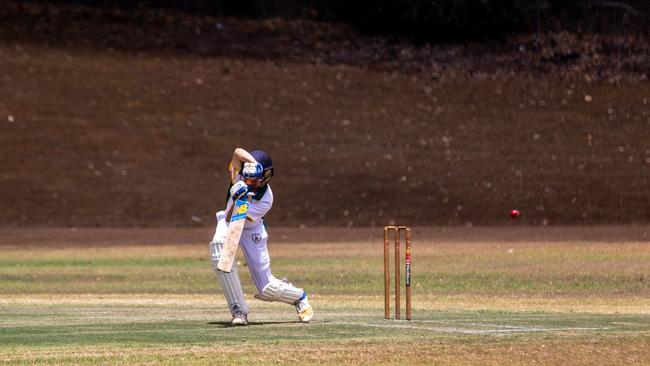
441	302
463	325
613	351
558	262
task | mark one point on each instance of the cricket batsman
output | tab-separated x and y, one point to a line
250	174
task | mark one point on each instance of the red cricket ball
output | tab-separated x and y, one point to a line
514	214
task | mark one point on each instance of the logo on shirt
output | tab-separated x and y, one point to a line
257	237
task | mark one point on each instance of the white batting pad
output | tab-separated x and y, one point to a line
280	291
229	282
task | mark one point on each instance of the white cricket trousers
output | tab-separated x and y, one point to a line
253	243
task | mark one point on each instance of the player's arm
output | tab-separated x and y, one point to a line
239	158
243	161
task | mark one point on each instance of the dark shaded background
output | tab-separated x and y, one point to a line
423	20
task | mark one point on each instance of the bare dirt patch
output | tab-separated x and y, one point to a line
129	120
324	236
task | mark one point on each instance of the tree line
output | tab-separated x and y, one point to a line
427	19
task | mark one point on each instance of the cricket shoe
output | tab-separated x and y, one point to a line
304	310
239	319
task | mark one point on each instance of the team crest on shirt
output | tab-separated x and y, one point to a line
257	237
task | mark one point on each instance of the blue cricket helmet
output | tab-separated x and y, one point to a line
267	164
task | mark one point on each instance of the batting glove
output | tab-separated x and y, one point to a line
252	170
238	190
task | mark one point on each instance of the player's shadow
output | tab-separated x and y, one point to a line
226	324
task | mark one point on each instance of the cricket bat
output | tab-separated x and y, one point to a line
235	227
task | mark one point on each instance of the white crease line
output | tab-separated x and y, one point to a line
499	326
142	331
471	331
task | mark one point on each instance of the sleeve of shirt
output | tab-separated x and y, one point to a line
258	209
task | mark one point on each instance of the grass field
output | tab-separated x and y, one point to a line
488	296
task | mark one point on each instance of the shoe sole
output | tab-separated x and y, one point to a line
238	322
